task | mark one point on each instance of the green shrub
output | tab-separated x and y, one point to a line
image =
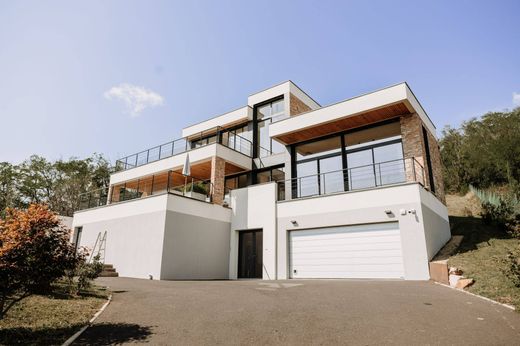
199	187
81	276
501	210
512	267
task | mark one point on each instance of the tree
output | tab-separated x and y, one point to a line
9	195
57	184
35	251
482	152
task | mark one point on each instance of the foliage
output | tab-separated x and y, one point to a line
482	152
512	266
57	184
199	187
80	277
501	210
34	252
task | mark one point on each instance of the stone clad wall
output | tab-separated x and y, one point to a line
435	157
413	146
297	106
218	172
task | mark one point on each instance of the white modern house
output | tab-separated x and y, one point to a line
281	188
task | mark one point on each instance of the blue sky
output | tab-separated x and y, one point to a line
63	63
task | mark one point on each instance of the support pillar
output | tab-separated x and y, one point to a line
218	170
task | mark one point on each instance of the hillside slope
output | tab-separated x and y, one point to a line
483	251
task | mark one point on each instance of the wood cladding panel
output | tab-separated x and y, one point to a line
350	122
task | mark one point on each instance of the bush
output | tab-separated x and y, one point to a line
512	268
35	251
81	276
501	210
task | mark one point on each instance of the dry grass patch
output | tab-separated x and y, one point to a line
49	319
483	252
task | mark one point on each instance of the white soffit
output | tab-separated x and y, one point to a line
230	118
351	107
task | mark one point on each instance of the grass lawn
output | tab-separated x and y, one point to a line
49	319
482	252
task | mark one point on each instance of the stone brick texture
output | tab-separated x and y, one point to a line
296	106
218	172
414	146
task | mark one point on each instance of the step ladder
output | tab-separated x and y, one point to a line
100	245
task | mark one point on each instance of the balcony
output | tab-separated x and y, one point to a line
167	182
356	178
215	135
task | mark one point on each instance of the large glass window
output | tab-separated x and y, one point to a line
389	161
372	157
376	166
265	115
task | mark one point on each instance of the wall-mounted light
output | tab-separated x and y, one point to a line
294	223
388	212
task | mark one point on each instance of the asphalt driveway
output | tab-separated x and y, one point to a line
298	312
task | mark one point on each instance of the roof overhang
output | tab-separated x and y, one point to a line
362	110
226	120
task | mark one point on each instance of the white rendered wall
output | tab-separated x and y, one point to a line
360	207
254	207
135	232
196	240
436	223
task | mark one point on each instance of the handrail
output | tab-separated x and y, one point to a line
359	177
182	145
148	186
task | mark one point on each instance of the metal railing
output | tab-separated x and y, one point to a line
181	145
168	182
356	178
92	199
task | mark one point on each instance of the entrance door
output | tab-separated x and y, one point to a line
250	254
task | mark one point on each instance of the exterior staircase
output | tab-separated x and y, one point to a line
109	271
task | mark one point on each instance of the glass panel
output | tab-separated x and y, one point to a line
153	154
307	182
278	108
263	177
141	158
361	170
318	148
263	139
179	146
373	134
243	181
277	147
390	168
145	186
264	112
331	175
160	183
166	150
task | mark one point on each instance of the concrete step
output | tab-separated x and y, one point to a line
109	270
108	274
108	266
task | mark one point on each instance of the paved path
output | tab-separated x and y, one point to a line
298	313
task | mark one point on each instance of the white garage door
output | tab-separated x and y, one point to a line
361	251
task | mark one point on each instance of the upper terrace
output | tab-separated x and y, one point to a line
217	134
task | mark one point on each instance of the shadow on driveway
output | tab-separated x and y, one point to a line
114	333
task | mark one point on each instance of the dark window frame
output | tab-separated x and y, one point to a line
256	139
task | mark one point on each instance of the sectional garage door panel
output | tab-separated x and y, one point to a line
361	251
